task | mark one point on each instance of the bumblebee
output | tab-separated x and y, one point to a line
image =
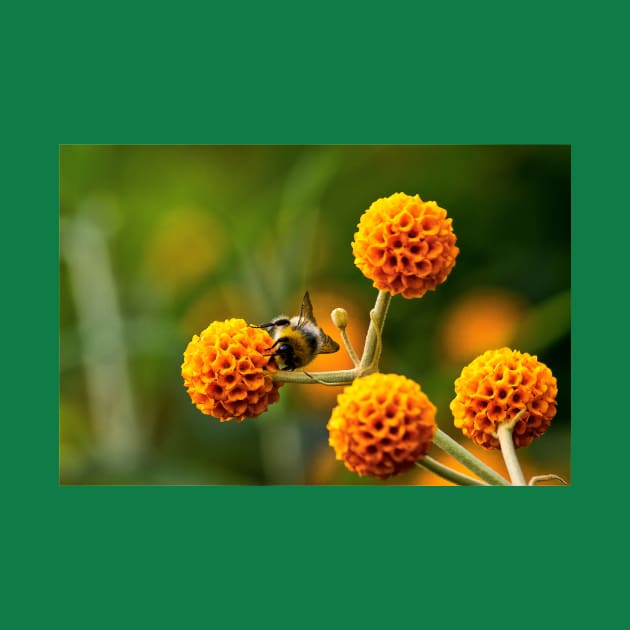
298	339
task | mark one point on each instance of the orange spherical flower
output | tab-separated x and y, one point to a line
227	371
405	245
497	386
382	425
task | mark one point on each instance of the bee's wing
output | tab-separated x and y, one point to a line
328	345
306	310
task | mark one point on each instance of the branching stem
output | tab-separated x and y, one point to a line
369	362
372	348
454	449
504	434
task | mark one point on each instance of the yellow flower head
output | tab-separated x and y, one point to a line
227	372
495	387
382	425
405	245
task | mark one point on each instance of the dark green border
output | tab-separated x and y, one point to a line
242	555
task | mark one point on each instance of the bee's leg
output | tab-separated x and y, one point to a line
273	354
288	363
277	354
286	368
271	347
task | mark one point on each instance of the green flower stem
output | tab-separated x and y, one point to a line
349	347
337	377
432	465
372	347
457	451
339	317
504	434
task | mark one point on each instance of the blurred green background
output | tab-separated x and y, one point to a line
158	241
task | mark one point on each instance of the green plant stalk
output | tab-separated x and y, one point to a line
372	347
504	433
349	347
457	451
439	469
336	377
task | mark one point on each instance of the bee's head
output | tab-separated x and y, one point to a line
284	349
